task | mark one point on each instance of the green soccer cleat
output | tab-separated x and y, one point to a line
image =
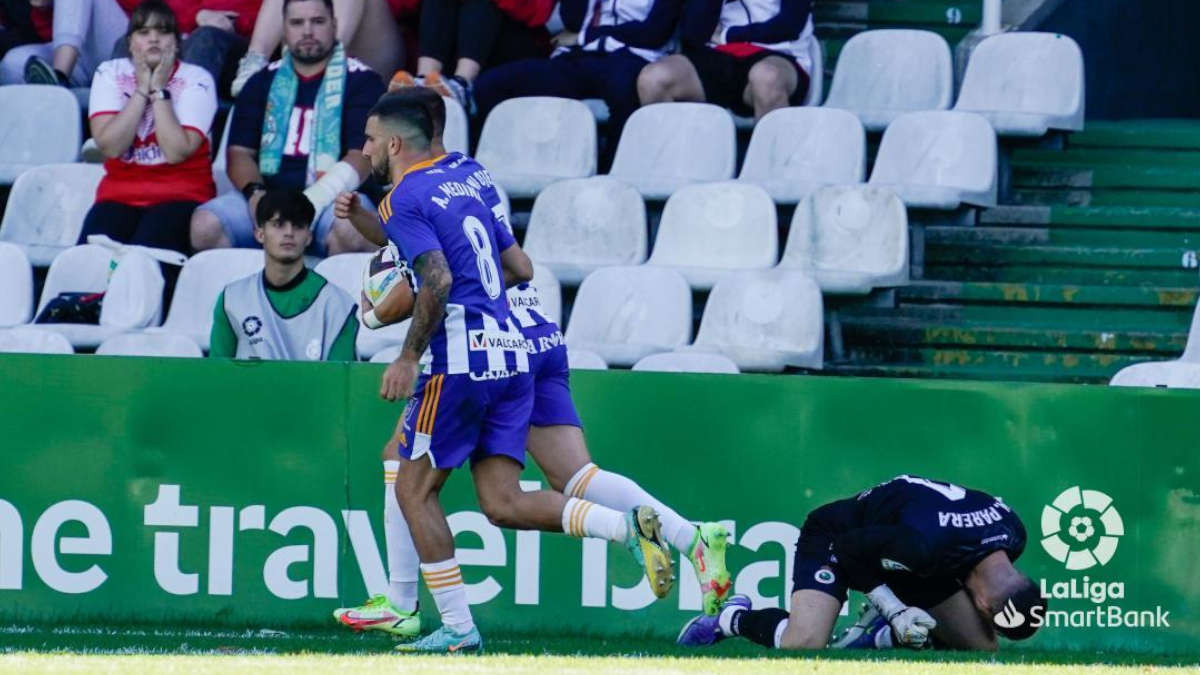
380	614
708	557
646	543
444	641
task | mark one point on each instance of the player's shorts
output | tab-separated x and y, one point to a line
725	76
233	211
453	418
552	404
816	568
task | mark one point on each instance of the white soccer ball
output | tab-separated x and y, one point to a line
384	271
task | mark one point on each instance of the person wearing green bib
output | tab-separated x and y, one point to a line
286	311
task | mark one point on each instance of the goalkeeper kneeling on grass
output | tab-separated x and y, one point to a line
934	559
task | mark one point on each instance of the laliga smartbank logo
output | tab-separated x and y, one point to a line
1081	529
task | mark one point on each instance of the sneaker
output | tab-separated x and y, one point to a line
452	87
871	631
708	557
38	71
445	641
403	78
378	613
249	64
646	543
706	628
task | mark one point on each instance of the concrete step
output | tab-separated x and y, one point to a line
961	292
1068	275
1122	217
1092	157
1062	256
1026	175
1035	236
1166	134
1015	365
1091	197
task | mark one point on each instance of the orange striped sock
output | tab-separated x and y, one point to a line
581	518
445	583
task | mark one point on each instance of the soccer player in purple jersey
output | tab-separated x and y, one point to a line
475	400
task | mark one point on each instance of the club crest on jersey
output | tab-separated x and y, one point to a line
251	325
825	576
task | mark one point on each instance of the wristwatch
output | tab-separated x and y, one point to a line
160	95
251	188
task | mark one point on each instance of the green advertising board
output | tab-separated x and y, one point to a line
204	492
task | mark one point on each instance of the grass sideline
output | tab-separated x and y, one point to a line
25	648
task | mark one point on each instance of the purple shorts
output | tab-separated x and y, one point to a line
453	418
552	404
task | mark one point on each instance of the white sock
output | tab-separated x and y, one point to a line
779	632
445	583
622	494
581	518
725	619
403	563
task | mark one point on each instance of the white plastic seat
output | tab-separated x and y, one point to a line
709	231
200	282
938	159
796	150
687	362
850	239
626	313
1163	374
765	321
221	161
16	286
346	271
528	143
46	208
1026	83
150	344
38	125
583	359
578	226
550	292
816	84
132	301
455	137
25	340
666	146
882	74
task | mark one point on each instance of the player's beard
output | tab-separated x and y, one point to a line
381	172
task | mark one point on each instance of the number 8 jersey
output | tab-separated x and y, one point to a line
443	204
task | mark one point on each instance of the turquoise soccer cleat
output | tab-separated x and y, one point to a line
445	641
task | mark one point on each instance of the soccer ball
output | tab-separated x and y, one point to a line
384	272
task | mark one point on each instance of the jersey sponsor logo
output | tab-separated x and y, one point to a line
991	540
313	350
1081	528
546	342
978	518
894	566
479	340
251	325
492	375
1009	617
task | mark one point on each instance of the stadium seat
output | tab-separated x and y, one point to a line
796	150
582	359
1025	83
200	282
346	271
938	159
850	239
46	209
455	137
626	313
220	160
578	226
816	84
1163	374
528	143
709	231
687	362
38	125
16	286
765	321
882	74
133	294
550	292
150	344
666	146
23	339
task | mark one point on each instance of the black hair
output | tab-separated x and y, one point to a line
396	107
328	5
290	205
157	13
1015	619
434	104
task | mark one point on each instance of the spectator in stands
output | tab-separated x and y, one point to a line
298	124
151	116
751	57
286	311
605	45
82	37
22	23
472	35
367	28
218	34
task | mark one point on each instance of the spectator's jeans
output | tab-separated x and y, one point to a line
90	26
216	51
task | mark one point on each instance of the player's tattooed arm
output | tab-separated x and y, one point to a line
430	304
